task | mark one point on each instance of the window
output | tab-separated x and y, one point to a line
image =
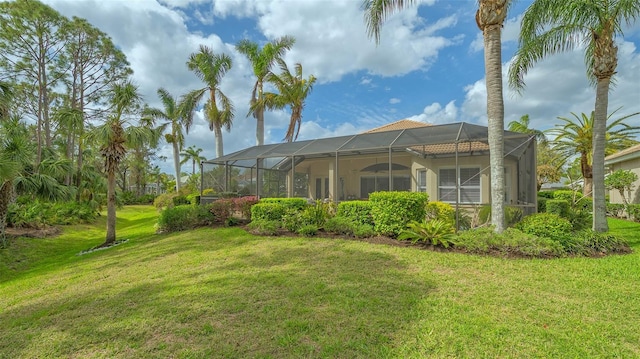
422	180
469	185
369	184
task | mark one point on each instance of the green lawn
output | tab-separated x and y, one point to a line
224	293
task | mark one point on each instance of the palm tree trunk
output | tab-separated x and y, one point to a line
176	163
259	127
6	189
495	114
219	147
111	204
599	134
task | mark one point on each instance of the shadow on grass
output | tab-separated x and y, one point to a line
269	298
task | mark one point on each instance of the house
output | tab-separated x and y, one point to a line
627	159
401	156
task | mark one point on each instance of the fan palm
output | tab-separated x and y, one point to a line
490	18
210	69
550	27
262	60
522	126
293	90
176	114
575	136
192	154
116	135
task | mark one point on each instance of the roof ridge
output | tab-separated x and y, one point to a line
399	125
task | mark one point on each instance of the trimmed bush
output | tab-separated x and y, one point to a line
509	243
356	211
542	204
180	218
575	199
391	211
267	211
546	194
441	210
297	203
558	206
615	210
547	225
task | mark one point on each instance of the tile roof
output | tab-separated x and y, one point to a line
399	125
624	152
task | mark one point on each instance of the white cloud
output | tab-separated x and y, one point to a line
394	101
436	114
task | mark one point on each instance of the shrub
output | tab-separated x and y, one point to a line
221	209
579	218
615	210
317	214
292	220
363	231
264	227
356	211
589	242
37	214
437	231
512	215
308	230
164	200
440	210
558	206
575	199
175	219
267	211
542	204
464	219
244	204
546	194
340	225
391	211
634	212
180	200
546	225
508	243
297	203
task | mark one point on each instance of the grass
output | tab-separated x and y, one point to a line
226	294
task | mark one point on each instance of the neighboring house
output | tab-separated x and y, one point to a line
627	159
401	156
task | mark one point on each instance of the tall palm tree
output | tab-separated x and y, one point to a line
210	69
490	18
575	136
262	60
192	154
176	114
293	90
550	27
116	135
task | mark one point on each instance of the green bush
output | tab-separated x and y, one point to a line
589	242
391	211
340	225
28	213
268	211
164	200
436	231
558	206
356	211
180	200
615	210
575	199
512	215
308	230
317	214
363	231
180	218
579	218
440	210
264	227
297	203
547	225
464	219
542	204
634	212
511	242
292	220
545	194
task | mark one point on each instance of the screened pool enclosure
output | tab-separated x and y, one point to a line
450	162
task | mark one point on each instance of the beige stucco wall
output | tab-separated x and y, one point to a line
349	172
631	165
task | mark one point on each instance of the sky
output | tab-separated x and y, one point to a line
428	66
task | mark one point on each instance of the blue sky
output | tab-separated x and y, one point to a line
428	66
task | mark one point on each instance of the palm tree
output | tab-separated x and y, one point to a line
192	154
522	126
293	90
575	136
262	60
550	27
176	114
116	135
490	18
210	68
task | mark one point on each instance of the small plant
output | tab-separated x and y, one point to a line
264	227
436	231
231	222
440	210
339	225
546	225
363	231
292	220
317	214
308	230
